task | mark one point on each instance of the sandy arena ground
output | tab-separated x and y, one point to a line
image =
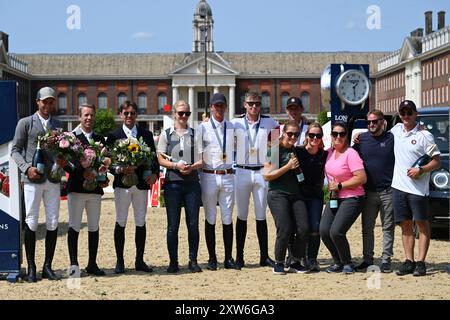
252	282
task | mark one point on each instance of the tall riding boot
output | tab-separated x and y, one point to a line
50	246
72	243
228	246
30	249
92	267
241	233
210	237
261	231
141	234
119	243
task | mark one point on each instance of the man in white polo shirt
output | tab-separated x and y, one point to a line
252	131
217	179
411	186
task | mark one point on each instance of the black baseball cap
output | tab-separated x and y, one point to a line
294	101
218	98
407	104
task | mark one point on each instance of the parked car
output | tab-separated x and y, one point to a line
436	120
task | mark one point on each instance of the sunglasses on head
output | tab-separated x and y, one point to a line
335	134
408	113
126	114
254	104
373	121
292	134
184	113
315	135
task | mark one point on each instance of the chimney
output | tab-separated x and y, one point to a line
417	33
4	38
441	20
428	22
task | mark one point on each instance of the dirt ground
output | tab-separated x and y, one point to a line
252	282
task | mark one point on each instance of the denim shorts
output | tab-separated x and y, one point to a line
408	206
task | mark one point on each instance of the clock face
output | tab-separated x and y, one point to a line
352	87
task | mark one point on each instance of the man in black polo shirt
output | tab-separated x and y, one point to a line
376	148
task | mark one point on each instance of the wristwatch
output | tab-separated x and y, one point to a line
420	170
340	186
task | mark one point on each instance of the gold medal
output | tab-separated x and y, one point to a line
252	151
224	156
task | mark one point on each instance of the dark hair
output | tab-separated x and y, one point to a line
127	104
377	113
90	106
340	124
252	94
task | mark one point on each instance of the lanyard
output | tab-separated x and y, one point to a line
224	142
252	141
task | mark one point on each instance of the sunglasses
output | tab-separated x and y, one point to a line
126	114
292	134
408	113
254	104
373	121
335	134
315	135
184	113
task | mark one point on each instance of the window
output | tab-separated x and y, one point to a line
162	101
82	99
102	101
284	99
121	98
265	103
142	103
305	101
62	103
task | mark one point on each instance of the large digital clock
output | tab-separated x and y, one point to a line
352	87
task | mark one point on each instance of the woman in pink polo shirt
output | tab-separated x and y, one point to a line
345	173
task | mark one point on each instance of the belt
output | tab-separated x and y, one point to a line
227	171
249	168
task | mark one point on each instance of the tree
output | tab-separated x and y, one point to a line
322	117
104	122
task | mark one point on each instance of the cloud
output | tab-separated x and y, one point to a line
141	35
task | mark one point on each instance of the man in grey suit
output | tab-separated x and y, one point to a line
37	186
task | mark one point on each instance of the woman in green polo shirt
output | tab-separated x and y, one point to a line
286	200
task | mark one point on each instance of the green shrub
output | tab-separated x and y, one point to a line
322	117
104	122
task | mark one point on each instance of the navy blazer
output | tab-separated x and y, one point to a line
76	179
148	139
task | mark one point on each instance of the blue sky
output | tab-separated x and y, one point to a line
240	25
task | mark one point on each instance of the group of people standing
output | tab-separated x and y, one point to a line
223	162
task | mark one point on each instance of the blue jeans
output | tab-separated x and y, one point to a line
176	195
314	207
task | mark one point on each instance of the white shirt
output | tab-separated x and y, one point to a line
250	149
130	133
408	147
211	147
44	122
301	138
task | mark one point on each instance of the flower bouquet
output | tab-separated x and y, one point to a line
96	161
65	146
132	152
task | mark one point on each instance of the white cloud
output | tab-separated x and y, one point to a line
141	35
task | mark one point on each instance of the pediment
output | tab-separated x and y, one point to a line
196	67
3	54
408	51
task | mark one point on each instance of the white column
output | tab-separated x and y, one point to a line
193	116
174	94
231	104
69	126
216	89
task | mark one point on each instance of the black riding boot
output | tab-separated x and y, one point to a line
141	234
119	242
72	243
92	267
228	246
210	237
241	233
261	231
30	249
50	246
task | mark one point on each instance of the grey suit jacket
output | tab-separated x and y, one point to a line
25	142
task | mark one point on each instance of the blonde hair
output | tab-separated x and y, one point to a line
314	125
180	103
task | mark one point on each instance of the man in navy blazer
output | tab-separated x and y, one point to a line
37	186
137	195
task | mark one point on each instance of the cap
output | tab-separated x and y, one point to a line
407	104
218	98
294	101
46	92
